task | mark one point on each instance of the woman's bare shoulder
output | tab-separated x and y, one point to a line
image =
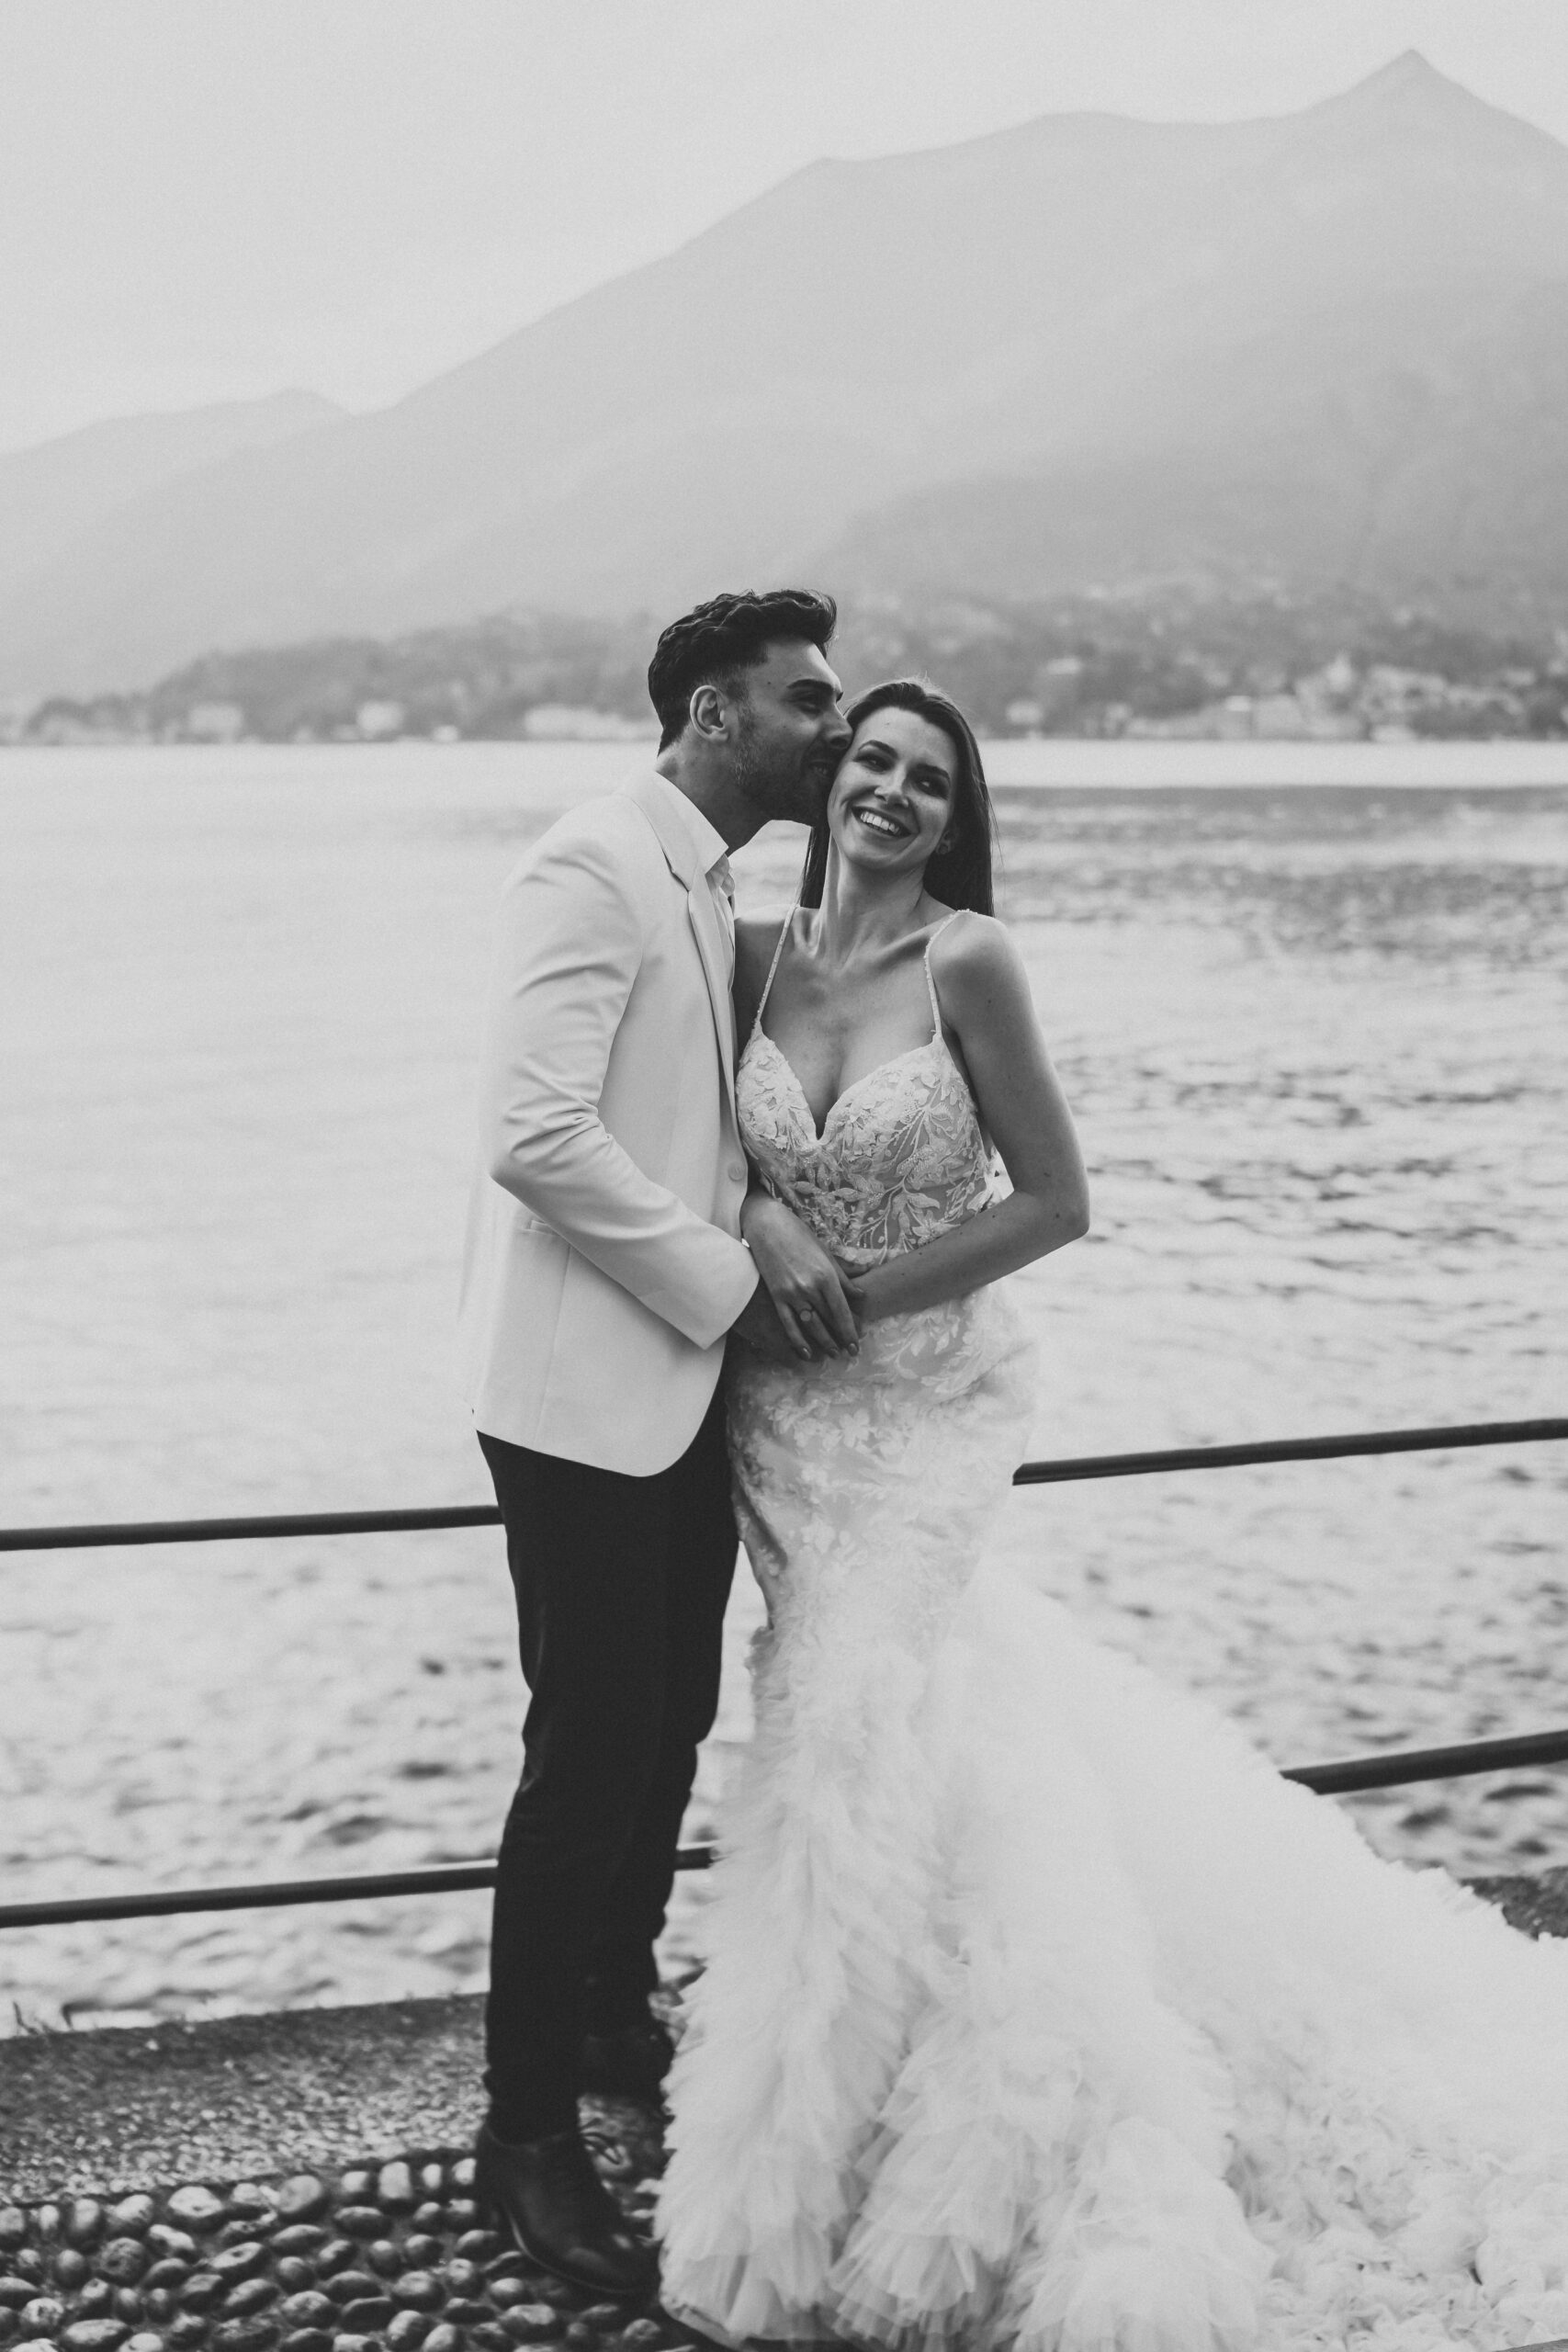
968	942
755	931
756	936
975	959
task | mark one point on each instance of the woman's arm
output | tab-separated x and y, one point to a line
986	1004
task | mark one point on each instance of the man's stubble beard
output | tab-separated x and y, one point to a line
784	789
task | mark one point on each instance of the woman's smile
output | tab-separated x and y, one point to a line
877	821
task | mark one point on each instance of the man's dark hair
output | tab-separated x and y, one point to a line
712	644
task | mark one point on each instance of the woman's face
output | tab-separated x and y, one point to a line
893	798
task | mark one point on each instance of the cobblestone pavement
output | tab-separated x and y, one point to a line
292	2183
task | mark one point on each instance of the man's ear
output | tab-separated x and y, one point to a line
707	712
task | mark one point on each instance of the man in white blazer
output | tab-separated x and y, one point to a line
604	1273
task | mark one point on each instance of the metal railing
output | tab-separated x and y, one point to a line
1028	1473
1355	1774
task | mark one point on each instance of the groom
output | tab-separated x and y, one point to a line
602	1274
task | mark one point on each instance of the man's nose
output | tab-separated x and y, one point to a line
838	729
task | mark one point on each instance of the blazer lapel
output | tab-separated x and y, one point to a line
706	927
709	928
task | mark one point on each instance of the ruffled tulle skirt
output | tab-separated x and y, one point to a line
1038	2010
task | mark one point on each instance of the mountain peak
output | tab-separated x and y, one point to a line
1410	65
1409	104
1411	88
1409	77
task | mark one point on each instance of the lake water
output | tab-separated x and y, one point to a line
1314	1034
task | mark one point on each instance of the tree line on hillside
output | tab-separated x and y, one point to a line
1158	661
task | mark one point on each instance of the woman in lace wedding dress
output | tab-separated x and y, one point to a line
1038	2012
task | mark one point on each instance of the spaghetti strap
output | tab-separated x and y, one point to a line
930	984
773	967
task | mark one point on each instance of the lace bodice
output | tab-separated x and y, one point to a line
901	1157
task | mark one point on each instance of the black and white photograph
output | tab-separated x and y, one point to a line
783	1184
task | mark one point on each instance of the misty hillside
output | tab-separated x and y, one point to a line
51	494
1331	345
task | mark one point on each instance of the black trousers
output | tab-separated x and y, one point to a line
621	1587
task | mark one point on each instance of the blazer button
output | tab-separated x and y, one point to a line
737	1172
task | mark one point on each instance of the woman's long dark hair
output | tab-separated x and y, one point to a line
959	876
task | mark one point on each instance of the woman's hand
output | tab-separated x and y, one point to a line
816	1302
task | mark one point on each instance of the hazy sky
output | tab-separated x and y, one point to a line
205	199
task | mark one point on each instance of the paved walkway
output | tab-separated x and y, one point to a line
135	2107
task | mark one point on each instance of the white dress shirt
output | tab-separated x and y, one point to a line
712	854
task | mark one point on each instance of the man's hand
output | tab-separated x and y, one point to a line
759	1327
814	1303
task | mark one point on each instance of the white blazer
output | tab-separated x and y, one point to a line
603	1267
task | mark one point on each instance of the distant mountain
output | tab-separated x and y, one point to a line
51	494
1327	346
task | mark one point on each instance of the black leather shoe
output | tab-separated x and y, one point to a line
631	2063
559	2214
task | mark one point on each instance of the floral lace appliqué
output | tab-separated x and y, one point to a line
900	1159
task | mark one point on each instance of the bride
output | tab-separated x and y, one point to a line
1038	2012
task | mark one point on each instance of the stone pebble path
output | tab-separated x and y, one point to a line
396	2253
